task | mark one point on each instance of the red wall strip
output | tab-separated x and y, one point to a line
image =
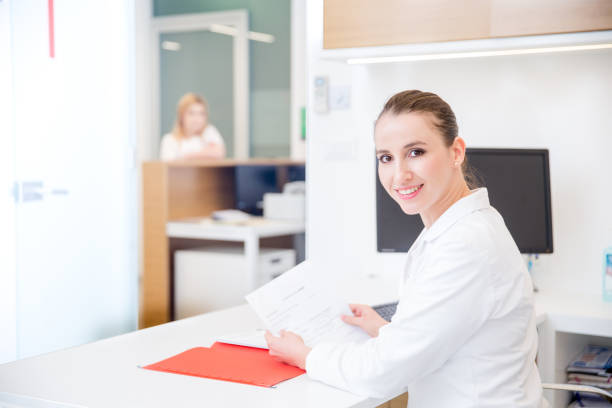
51	31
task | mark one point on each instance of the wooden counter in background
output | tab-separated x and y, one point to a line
171	191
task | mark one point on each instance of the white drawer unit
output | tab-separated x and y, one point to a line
212	278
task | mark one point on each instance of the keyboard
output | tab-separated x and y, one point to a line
386	311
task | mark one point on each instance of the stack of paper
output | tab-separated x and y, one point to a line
592	360
592	367
300	301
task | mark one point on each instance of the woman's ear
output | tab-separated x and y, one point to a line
458	151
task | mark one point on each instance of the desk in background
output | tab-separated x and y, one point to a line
172	191
249	233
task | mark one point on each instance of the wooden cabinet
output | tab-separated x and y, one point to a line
400	401
360	23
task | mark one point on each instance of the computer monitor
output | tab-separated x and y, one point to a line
296	172
253	181
518	182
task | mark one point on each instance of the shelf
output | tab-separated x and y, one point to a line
234	162
354	55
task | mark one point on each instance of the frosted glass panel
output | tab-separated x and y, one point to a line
8	311
76	214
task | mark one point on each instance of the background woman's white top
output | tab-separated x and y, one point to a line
464	334
173	149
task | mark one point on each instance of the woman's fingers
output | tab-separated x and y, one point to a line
269	337
355	309
352	320
360	310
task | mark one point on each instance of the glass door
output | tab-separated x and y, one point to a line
205	53
76	219
200	62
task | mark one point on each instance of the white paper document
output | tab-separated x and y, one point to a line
298	301
253	338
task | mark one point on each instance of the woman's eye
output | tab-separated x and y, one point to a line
416	152
385	158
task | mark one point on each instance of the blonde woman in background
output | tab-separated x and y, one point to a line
193	137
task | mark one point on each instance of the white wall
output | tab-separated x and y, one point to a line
298	77
147	140
562	102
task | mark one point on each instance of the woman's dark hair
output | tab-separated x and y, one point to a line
445	121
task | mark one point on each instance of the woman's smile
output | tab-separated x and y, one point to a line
408	193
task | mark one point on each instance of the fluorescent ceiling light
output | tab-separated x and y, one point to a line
261	37
223	29
171	45
476	54
233	31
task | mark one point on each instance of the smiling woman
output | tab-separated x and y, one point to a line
465	321
420	154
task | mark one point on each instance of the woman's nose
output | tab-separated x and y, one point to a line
402	173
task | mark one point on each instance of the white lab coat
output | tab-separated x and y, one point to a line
464	333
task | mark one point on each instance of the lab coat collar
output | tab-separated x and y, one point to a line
478	200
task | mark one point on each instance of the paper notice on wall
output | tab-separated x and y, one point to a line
299	301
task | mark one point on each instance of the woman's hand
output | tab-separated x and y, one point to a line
366	318
289	348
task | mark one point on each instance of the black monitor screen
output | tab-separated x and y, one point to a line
252	182
296	173
518	183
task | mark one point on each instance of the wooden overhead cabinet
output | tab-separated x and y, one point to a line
363	23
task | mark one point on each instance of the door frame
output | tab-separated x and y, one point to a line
202	21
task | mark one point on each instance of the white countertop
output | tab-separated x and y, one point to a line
575	313
106	374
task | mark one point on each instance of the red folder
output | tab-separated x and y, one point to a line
229	362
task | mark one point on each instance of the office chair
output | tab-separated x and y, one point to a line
578	388
402	400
